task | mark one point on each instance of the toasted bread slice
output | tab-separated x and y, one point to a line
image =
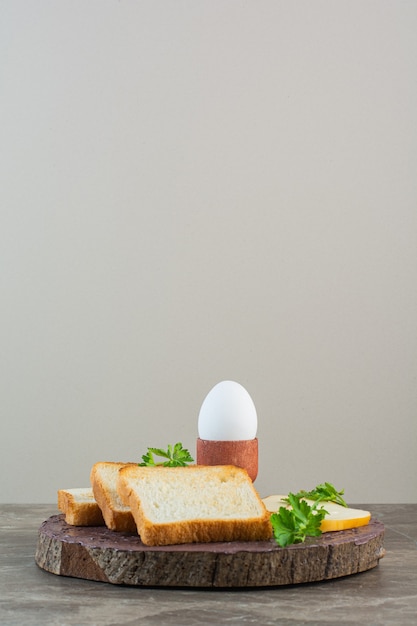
80	507
117	516
175	505
338	517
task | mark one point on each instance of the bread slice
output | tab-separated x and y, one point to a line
174	505
337	518
80	507
117	516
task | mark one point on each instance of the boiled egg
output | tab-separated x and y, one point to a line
227	414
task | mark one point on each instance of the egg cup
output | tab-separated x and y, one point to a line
243	453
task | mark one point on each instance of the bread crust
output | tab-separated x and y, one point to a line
80	507
197	529
103	479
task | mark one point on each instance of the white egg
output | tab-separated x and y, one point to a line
227	414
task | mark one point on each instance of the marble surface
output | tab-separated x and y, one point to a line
30	596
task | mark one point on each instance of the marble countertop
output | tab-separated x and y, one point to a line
30	596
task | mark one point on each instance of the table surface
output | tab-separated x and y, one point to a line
30	596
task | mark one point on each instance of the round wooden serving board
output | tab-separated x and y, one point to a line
96	553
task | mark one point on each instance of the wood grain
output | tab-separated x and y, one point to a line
96	553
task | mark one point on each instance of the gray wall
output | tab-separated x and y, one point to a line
201	190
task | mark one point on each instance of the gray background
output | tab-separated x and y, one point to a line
199	190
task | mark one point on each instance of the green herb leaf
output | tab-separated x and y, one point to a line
176	456
324	493
293	525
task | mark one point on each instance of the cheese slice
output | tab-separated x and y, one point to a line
338	517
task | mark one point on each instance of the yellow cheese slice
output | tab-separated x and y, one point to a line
338	517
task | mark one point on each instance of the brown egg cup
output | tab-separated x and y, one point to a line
240	453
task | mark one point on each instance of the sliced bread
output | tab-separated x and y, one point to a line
80	507
175	505
116	514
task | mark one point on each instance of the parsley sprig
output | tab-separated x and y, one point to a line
325	492
294	524
176	456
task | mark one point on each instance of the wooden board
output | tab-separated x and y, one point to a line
96	553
